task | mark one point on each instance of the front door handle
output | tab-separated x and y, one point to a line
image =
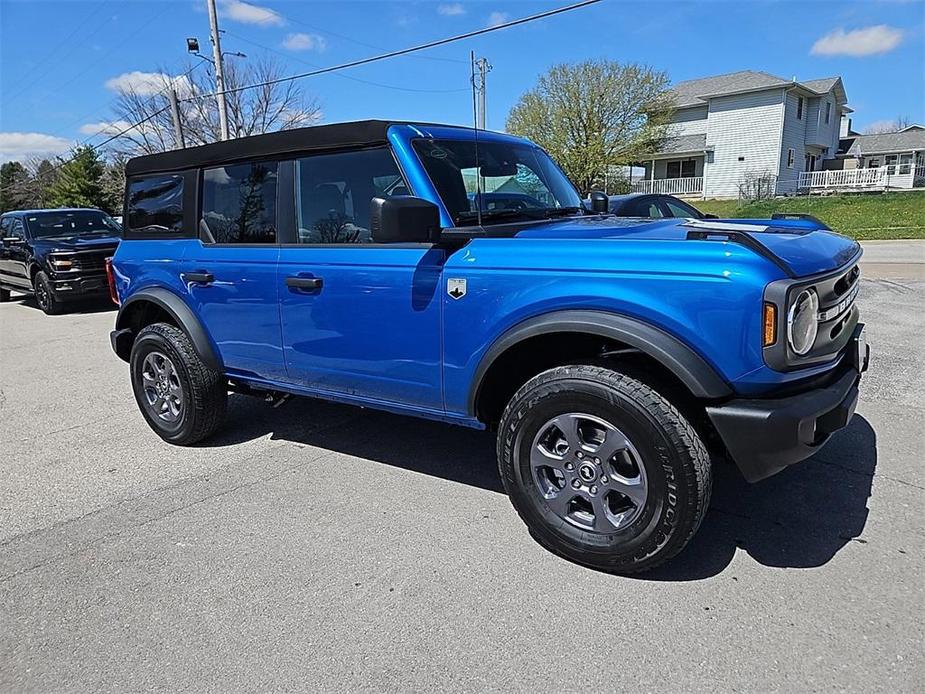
304	282
199	277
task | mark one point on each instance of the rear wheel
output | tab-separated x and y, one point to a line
182	399
603	469
44	296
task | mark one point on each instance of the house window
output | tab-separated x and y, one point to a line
790	158
890	161
905	163
873	163
681	169
828	111
799	108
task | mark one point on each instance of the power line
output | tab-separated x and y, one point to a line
404	51
348	77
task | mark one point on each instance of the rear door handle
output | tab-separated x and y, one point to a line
199	277
304	282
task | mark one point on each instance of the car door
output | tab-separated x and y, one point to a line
359	319
230	270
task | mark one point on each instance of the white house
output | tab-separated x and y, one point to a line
730	130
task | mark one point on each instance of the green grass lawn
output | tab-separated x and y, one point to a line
862	216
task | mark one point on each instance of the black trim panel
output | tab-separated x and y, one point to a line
181	313
692	370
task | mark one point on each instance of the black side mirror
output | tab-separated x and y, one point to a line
403	219
600	202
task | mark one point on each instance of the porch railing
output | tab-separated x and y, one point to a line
670	186
893	176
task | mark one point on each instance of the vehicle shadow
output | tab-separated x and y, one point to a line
76	306
798	518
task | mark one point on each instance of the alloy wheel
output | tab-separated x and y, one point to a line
588	473
161	386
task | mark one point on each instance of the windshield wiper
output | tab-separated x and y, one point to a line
501	214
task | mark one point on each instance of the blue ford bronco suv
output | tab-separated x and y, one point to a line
453	274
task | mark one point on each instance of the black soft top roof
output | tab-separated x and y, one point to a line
318	137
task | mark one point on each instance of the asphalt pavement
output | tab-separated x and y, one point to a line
327	548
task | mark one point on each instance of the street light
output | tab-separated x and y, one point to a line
192	45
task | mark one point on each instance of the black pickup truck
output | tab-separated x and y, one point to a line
58	255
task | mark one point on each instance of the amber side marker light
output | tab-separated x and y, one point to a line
770	324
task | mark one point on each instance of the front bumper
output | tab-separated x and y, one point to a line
763	436
78	286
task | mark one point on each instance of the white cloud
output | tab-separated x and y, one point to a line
305	42
25	146
246	13
104	127
147	83
859	42
496	18
452	9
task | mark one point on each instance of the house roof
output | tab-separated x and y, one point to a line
697	92
902	141
684	143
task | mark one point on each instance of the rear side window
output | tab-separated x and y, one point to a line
239	203
155	204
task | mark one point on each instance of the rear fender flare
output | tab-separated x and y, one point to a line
181	313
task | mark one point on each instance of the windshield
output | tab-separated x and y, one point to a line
516	180
72	223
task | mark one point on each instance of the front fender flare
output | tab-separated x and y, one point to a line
700	378
181	313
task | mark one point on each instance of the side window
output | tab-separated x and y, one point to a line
679	209
5	224
239	203
155	204
646	207
333	193
17	229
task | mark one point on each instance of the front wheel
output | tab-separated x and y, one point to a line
44	296
179	395
602	469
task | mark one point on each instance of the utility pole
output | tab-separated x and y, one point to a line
484	67
178	139
219	70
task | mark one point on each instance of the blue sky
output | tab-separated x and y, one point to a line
57	56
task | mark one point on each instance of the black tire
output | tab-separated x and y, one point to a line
677	473
4	295
203	391
44	296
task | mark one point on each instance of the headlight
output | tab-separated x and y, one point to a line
802	321
60	264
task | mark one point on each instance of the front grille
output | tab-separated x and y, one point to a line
87	261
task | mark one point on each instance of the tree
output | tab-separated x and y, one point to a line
888	126
44	175
14	186
595	114
80	181
250	111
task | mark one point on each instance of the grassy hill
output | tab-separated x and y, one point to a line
861	216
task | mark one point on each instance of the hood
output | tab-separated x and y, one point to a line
83	242
799	247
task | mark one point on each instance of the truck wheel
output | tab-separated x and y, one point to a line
602	469
44	296
181	398
4	295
